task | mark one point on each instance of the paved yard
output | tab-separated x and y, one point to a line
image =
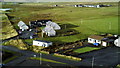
104	57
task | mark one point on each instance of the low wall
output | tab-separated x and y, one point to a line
69	57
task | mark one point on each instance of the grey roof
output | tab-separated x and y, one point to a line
53	24
97	37
22	25
43	41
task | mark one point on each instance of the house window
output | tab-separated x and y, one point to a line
89	39
116	43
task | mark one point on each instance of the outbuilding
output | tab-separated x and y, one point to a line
42	43
22	26
117	42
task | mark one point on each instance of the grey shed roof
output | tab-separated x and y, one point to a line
53	24
43	41
22	25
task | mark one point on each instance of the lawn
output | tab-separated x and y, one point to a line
86	49
47	60
86	21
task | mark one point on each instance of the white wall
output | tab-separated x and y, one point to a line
98	41
90	40
38	43
117	42
104	44
93	41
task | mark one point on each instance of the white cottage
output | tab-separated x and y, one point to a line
49	31
117	42
95	39
42	43
22	26
104	41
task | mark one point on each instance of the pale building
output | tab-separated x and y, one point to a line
42	43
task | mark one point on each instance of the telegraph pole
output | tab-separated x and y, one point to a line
40	58
92	61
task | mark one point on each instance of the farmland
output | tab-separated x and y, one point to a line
77	23
86	21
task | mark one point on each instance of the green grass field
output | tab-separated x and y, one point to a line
86	49
87	21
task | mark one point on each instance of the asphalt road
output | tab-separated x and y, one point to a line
107	57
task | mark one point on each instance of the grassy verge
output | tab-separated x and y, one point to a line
86	49
47	60
68	57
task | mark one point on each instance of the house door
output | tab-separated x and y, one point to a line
95	41
43	45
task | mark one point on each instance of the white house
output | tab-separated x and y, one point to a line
49	31
96	39
42	43
22	26
117	42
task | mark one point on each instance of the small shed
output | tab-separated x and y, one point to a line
42	43
117	42
53	24
22	26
